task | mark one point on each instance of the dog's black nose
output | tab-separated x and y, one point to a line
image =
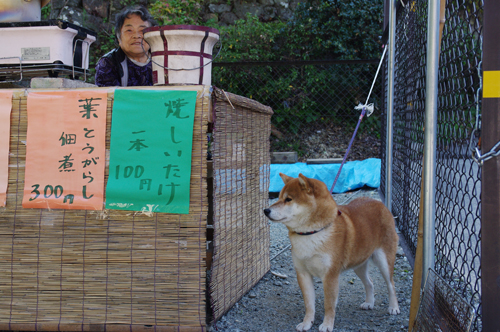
267	211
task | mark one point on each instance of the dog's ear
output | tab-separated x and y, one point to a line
304	183
285	178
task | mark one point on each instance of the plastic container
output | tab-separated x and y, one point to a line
45	42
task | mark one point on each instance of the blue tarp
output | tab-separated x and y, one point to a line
354	175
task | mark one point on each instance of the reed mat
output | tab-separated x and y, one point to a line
103	270
241	169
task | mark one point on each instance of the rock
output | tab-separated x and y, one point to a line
241	9
211	17
285	13
267	2
219	9
71	15
293	4
120	4
96	24
268	13
279	275
96	7
228	18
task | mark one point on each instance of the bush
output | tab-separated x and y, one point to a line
250	40
301	95
334	29
176	12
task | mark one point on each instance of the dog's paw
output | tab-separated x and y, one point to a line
325	328
304	326
394	311
366	306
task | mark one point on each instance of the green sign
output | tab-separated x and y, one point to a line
150	150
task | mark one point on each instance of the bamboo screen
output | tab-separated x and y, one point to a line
103	270
241	169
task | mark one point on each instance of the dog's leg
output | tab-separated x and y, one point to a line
307	287
386	267
331	290
362	273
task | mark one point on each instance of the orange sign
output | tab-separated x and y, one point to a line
5	109
65	150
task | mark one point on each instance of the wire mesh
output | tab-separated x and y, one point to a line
313	102
442	308
458	177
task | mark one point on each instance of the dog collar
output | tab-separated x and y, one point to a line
319	230
311	233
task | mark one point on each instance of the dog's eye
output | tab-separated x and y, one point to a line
288	199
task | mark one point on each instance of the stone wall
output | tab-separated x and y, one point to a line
98	15
266	10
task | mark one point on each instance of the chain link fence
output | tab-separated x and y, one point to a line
458	176
313	103
316	99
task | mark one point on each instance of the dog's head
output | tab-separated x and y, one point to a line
301	201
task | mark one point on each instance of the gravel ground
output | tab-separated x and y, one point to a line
324	140
275	304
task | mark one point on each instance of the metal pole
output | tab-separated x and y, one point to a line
490	182
430	138
390	103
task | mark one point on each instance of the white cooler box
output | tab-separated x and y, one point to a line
35	47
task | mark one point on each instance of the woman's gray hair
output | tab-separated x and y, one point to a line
140	11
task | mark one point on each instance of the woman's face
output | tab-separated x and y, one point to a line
131	38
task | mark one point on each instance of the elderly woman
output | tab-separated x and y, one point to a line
130	63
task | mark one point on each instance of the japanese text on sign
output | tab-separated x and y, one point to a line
150	151
65	155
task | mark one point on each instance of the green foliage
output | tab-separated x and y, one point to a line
174	12
250	40
107	42
46	12
334	29
320	29
127	3
302	95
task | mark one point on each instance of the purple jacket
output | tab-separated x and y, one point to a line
115	69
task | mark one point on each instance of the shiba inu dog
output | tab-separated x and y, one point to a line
328	239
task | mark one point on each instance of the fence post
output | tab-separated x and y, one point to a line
490	183
390	103
430	137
